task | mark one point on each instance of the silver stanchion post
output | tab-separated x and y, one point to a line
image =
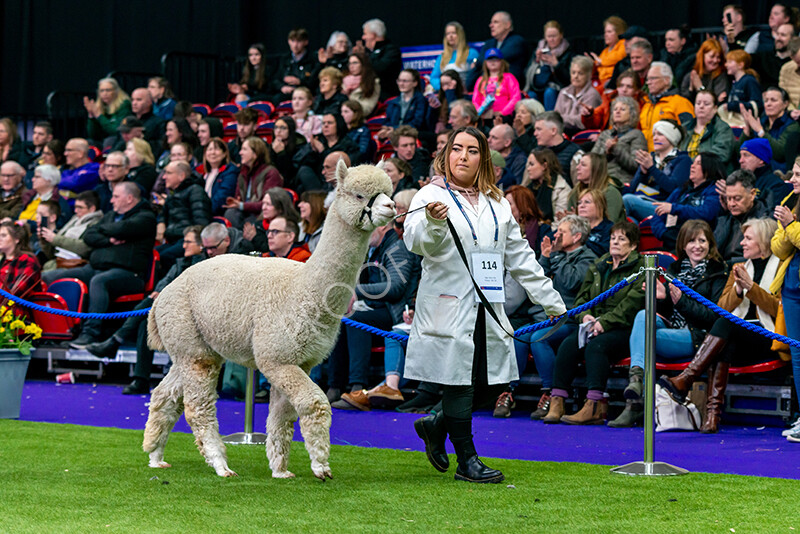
248	437
649	466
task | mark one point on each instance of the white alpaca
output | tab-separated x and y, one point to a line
277	315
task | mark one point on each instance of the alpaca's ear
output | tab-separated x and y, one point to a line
381	164
341	170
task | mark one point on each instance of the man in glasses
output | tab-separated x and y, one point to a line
114	170
282	236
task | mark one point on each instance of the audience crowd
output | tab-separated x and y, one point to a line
691	149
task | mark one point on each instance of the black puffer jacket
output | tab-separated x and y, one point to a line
137	230
187	205
699	319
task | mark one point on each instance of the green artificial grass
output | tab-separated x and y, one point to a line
65	478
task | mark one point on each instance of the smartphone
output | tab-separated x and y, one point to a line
729	18
45	222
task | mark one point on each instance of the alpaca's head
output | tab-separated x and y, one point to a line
363	196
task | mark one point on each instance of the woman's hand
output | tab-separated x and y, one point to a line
547	247
597	328
586	109
497	120
91	107
316	145
795	114
278	145
661	291
437	210
742	278
611	142
588	318
232	202
675	294
695	83
548	58
249	231
751	124
322	56
784	215
408	316
644	159
663	208
235	88
594	57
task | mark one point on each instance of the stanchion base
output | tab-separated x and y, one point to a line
245	438
649	469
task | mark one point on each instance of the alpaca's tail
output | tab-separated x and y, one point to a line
153	338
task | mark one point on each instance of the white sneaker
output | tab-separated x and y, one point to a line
794	437
792	429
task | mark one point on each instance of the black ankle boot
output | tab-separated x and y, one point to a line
473	470
431	429
139	386
104	349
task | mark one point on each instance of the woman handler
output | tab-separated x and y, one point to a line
452	342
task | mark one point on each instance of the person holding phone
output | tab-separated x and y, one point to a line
452	342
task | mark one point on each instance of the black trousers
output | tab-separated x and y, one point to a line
743	347
136	328
458	402
600	352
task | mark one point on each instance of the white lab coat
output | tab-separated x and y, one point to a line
440	347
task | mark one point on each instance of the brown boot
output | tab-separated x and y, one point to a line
717	382
592	413
556	411
678	386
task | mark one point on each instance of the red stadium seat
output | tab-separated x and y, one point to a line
647	241
149	285
268	108
202	109
583	136
225	110
223	220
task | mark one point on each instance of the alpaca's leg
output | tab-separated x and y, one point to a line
280	429
199	398
312	406
166	406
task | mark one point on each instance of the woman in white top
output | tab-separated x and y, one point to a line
451	341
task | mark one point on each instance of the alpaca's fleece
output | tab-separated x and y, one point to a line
273	314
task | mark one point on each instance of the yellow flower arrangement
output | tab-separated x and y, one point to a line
16	332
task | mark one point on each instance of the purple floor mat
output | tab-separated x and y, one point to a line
735	449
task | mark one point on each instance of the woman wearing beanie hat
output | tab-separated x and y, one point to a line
659	173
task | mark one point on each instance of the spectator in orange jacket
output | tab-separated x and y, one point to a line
664	102
282	237
613	28
627	85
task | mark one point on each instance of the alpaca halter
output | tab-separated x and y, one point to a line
368	208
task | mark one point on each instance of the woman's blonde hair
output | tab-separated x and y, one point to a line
599	200
485	178
599	178
142	148
461	52
764	229
120	96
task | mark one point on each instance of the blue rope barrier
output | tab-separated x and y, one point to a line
403	338
68	313
689	292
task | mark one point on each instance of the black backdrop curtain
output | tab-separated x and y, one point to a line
69	45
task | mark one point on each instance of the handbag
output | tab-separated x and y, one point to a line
780	328
671	415
64	263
